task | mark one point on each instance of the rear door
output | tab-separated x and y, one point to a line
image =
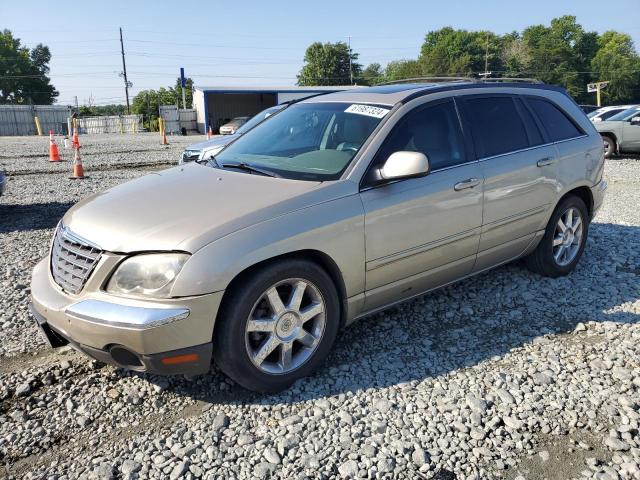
519	169
631	135
421	233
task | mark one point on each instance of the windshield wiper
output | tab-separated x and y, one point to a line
250	168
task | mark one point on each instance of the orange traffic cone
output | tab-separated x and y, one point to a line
54	155
209	133
76	140
78	171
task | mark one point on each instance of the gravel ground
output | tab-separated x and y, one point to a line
26	155
505	375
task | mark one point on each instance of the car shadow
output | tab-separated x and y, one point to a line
34	216
458	326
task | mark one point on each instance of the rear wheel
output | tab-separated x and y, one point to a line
277	325
609	146
564	239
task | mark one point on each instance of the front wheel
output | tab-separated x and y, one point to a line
564	239
277	325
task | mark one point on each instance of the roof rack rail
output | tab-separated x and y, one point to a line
463	79
509	80
428	79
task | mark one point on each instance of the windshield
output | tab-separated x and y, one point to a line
307	141
625	114
258	118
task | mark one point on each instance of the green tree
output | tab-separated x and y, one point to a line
328	64
371	75
452	52
188	91
24	73
617	61
561	54
402	69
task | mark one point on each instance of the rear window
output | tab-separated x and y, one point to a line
497	126
555	122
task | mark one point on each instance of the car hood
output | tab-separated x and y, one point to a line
216	141
186	207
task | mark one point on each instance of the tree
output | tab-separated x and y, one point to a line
371	75
188	91
617	61
561	54
23	72
401	69
328	64
452	52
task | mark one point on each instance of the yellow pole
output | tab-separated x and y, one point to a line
598	93
121	127
38	127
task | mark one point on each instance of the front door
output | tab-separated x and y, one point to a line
423	232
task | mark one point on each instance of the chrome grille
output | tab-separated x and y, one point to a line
72	260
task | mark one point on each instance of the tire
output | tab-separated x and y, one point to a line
609	146
544	259
249	325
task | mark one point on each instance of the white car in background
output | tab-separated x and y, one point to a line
604	113
211	147
232	127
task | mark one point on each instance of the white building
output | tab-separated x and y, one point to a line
216	105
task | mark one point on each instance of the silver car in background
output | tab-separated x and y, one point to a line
337	207
211	147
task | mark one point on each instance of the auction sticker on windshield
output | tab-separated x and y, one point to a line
368	110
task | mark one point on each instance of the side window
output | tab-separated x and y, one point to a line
433	130
497	126
607	114
555	122
533	132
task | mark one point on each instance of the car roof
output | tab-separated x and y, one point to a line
403	92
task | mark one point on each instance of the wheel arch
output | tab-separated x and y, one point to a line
318	257
612	136
584	193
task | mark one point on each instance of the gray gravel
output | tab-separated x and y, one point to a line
505	375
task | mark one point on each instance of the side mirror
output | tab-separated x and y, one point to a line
404	165
635	121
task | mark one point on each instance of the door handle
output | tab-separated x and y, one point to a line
468	183
543	162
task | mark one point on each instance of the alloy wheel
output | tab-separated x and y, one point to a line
567	237
285	326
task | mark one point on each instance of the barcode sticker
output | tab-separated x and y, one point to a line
368	110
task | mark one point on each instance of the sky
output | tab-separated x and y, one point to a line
250	42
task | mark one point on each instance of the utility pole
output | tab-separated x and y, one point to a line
486	58
124	74
350	68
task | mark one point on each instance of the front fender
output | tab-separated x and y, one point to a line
335	228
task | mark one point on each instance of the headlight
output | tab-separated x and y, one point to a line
149	275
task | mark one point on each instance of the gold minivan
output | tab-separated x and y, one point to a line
335	207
